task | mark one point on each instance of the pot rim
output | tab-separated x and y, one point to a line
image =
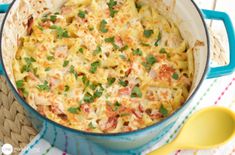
45	119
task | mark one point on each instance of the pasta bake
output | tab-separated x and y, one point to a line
104	66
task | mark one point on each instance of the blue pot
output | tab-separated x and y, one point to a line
79	142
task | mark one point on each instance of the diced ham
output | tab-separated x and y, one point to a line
124	91
41	109
66	10
118	41
57	107
153	73
41	100
165	72
111	123
155	114
46	24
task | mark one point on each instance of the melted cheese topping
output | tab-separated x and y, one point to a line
104	66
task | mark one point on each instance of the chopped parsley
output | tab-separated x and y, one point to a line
98	50
148	33
72	71
47	69
66	63
158	39
73	110
111	80
91	126
94	66
124	48
145	44
150	61
111	5
123	57
93	86
124	114
98	93
175	76
61	33
50	58
103	28
163	111
136	92
40	27
85	81
88	98
81	50
112	41
123	83
163	51
66	88
138	52
53	18
44	87
19	84
117	105
29	61
82	14
138	6
90	28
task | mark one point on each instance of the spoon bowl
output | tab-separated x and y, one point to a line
206	129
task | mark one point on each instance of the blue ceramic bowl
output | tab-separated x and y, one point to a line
74	141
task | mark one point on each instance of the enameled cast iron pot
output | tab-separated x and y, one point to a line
192	27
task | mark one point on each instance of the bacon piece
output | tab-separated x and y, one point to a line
141	109
128	72
111	123
30	25
63	116
137	114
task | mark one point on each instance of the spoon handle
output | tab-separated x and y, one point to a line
164	150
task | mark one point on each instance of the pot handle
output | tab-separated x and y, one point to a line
228	69
3	9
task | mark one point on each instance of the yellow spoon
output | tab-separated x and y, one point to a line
206	129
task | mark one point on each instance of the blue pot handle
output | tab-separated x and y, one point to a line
3	9
224	70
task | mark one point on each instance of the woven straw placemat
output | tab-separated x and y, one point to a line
15	128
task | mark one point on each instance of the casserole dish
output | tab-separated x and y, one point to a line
191	18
